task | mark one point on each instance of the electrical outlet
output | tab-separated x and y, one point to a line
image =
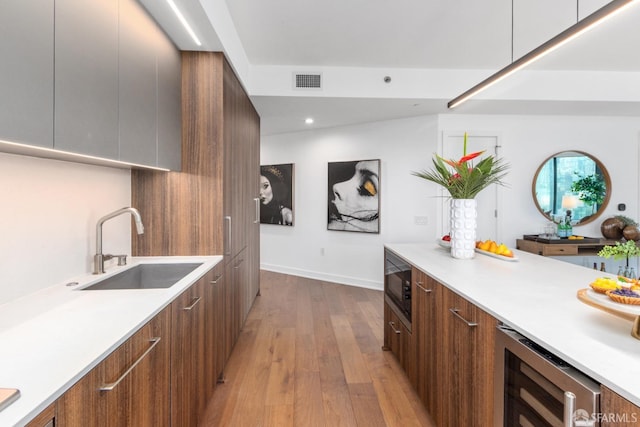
420	220
322	251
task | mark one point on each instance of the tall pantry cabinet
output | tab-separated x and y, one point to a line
208	207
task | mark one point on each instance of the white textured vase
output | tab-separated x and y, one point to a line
463	228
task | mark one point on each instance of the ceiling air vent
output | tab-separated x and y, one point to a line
307	80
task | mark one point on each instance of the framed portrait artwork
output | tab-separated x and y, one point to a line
354	196
276	194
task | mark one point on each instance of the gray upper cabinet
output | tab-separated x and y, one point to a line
137	89
113	91
26	70
86	77
150	109
169	104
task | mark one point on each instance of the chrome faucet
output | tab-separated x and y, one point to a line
99	258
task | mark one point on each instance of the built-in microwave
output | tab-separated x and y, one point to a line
397	283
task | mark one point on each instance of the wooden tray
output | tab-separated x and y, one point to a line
629	312
560	241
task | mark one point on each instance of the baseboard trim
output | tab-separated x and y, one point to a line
333	278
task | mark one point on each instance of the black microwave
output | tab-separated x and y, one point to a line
397	283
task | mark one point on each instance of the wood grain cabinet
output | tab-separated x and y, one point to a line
466	340
398	339
617	411
215	327
425	330
208	208
128	388
189	392
46	418
447	355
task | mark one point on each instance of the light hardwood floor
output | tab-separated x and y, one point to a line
310	354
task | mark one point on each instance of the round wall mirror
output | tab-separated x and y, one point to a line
571	183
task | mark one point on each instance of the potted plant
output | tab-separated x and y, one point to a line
620	251
464	180
590	190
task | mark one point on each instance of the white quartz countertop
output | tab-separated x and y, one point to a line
537	296
51	338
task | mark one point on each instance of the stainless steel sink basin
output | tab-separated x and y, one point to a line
146	276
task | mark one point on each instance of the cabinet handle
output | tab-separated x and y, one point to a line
257	202
108	387
237	266
196	300
455	312
215	281
393	326
419	284
569	408
228	248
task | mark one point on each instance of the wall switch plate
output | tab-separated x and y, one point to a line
420	220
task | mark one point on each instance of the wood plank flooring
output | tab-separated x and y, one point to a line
310	354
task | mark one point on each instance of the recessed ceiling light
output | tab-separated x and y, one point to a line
308	120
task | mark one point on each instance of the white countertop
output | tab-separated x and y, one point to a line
537	297
51	338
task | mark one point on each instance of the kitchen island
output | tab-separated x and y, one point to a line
537	296
53	338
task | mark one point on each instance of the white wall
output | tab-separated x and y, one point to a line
349	257
407	145
48	219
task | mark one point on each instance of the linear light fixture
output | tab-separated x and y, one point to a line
609	10
184	22
49	153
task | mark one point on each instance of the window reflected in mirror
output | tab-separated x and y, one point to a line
571	183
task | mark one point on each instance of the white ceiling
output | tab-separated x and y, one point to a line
388	36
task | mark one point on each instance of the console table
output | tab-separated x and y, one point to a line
571	247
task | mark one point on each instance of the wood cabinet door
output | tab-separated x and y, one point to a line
220	279
213	335
425	329
129	388
616	410
397	339
46	418
464	363
187	356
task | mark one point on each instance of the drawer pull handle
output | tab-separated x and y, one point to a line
569	408
455	312
193	304
215	281
257	202
423	288
109	387
227	251
393	326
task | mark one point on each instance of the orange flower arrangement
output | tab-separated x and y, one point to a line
464	180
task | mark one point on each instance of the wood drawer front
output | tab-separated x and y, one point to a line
529	246
550	250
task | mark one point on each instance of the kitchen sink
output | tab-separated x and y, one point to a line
145	276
